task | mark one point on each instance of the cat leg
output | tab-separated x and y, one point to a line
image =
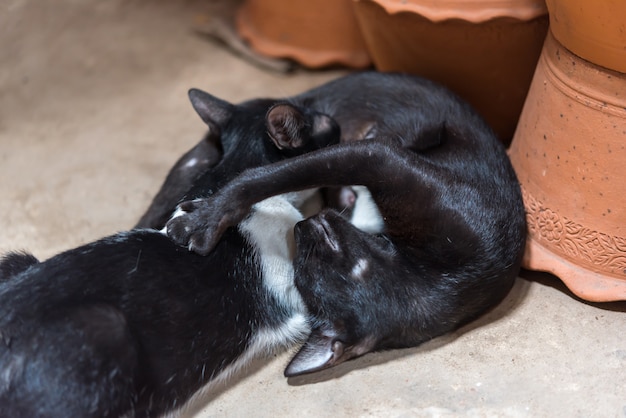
392	174
206	154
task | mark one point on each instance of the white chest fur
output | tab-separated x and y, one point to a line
269	229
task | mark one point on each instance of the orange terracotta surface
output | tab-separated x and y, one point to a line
486	54
569	153
592	29
475	11
315	34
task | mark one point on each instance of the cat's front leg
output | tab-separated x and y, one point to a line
197	225
200	223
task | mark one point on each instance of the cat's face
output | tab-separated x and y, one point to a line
343	275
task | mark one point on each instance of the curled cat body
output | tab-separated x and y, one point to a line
453	230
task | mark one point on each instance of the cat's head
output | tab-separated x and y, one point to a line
287	128
239	136
343	275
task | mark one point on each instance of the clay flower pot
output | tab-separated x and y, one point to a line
569	152
593	30
484	50
315	34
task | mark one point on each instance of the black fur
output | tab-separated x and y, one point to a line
452	207
107	328
133	324
14	263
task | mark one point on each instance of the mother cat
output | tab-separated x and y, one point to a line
454	224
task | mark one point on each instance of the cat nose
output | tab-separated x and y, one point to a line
326	231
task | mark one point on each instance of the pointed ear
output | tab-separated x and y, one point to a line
318	352
322	351
213	111
286	126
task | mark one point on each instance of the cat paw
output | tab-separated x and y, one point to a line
192	226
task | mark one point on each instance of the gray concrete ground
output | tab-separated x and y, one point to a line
93	112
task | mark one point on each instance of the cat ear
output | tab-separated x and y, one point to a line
213	111
318	352
292	129
286	126
322	351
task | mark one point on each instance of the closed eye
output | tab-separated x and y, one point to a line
384	244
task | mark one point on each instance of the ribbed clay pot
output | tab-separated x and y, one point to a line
569	152
484	50
314	33
592	29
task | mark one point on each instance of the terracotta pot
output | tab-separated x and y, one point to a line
315	34
569	152
593	30
485	51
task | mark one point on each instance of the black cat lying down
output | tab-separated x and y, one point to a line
453	217
133	325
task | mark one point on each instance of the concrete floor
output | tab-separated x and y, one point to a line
93	112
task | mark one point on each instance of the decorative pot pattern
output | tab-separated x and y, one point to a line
315	34
484	50
569	151
573	239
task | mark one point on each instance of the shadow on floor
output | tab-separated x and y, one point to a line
547	279
500	311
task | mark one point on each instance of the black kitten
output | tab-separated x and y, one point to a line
133	325
454	225
348	100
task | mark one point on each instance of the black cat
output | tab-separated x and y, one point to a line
454	225
350	101
133	325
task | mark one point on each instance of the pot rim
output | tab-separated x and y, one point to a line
475	11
